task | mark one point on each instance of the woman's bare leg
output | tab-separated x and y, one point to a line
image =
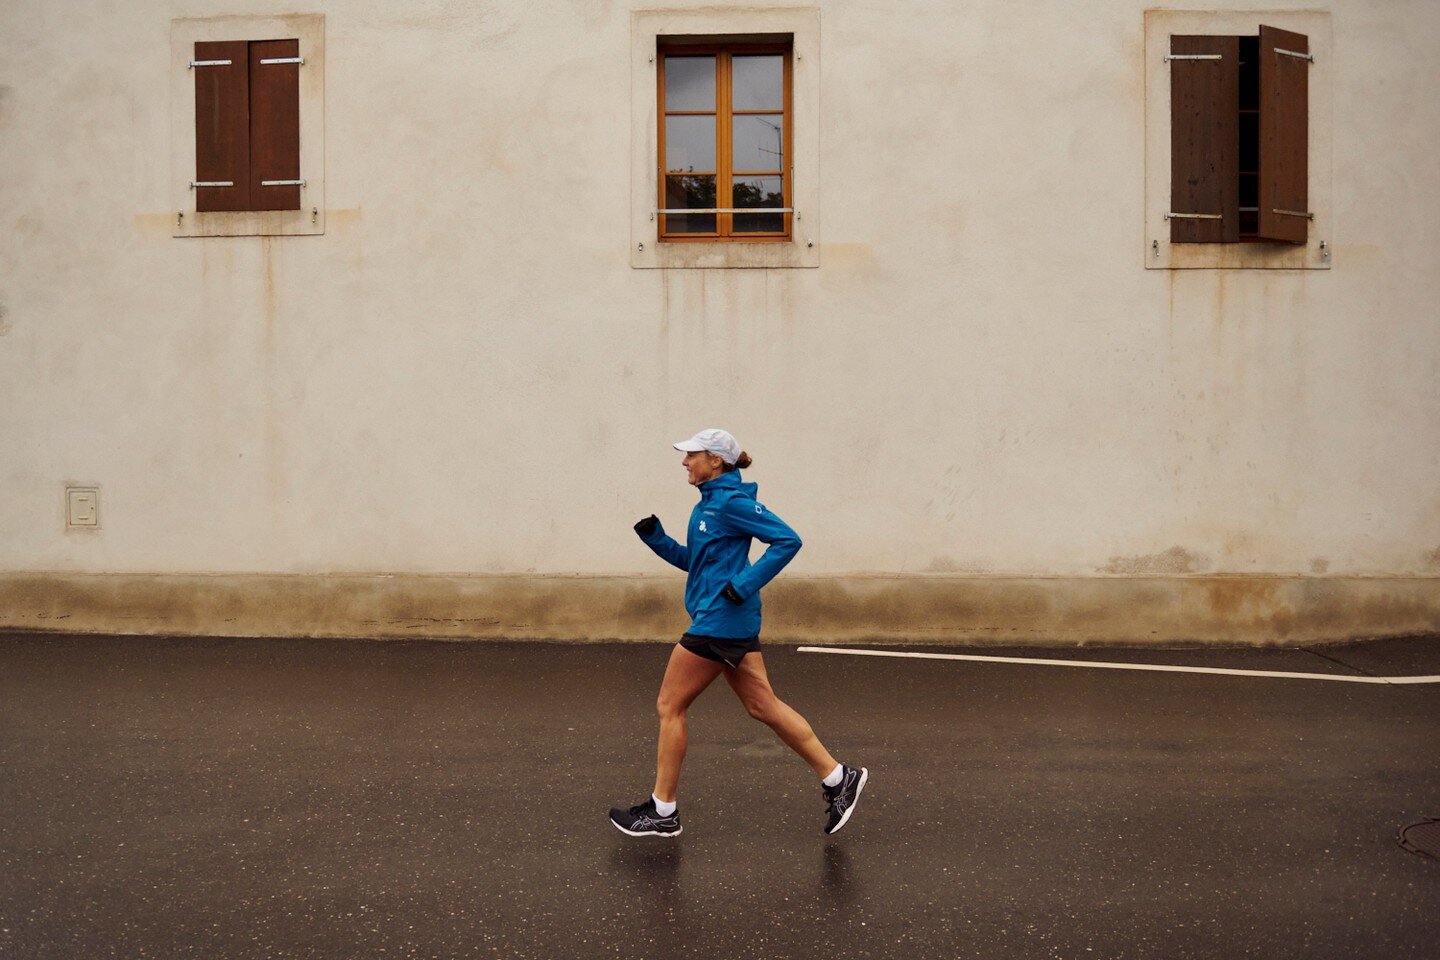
752	685
686	678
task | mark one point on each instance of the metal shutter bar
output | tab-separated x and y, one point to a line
283	60
1293	213
1194	216
210	63
1193	56
282	183
729	210
1294	53
211	183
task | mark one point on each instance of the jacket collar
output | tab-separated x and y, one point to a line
724	482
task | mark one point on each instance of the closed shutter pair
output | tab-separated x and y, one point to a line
247	125
1206	117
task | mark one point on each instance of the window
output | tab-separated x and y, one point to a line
247	125
763	235
724	141
1238	137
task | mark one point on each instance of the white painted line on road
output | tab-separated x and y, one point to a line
1113	665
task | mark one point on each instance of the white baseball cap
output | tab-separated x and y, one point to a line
715	441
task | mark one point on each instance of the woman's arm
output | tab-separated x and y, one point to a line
749	518
653	534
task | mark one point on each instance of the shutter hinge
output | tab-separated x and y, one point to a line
1294	53
1193	56
210	63
283	60
211	183
1194	216
1293	213
282	183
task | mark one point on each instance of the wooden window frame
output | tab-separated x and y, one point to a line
724	126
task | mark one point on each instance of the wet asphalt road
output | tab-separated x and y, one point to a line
280	798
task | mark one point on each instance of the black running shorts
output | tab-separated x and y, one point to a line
719	649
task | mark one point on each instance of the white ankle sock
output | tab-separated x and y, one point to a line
662	807
836	775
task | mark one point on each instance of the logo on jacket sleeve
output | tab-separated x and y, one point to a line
702	526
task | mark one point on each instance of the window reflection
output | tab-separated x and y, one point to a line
759	192
690	192
690	144
689	83
759	143
758	82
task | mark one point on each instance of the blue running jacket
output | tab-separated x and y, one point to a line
717	552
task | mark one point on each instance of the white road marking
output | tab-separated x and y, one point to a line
1112	665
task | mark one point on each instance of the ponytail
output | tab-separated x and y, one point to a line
741	462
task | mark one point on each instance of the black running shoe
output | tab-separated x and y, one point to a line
840	799
645	821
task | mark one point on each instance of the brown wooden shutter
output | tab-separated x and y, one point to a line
222	126
274	124
1205	140
1284	135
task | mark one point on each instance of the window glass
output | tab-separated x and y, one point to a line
759	142
759	192
690	144
693	193
759	82
689	83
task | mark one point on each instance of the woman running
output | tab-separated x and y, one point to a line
722	596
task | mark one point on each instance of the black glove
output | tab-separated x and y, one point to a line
731	594
647	526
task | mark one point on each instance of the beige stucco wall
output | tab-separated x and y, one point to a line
465	373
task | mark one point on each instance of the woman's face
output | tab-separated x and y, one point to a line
702	466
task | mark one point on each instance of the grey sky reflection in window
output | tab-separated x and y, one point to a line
689	83
758	82
759	143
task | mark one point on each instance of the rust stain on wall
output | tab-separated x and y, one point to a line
1170	283
267	252
274	410
1230	598
1255	604
1432	559
154	222
855	259
1175	560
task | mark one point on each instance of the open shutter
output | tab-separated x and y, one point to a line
222	125
274	125
1284	135
1204	139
